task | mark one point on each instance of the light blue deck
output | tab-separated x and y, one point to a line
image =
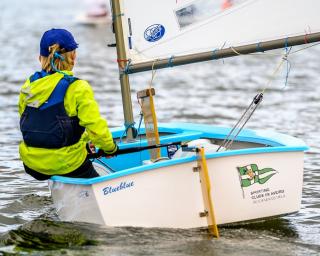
132	163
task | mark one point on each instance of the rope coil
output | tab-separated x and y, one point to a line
170	62
117	16
127	67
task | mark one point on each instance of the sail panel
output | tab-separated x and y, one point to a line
161	29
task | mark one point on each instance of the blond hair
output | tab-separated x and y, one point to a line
66	63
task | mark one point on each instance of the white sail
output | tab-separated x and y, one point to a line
156	29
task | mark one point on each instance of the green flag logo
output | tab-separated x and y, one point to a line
250	174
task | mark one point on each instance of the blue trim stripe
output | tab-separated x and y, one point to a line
155	166
272	142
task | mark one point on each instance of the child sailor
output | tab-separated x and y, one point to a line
59	115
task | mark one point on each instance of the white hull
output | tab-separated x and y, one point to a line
168	194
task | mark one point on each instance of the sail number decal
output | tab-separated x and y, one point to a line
154	32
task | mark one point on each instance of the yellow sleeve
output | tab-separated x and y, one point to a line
90	118
22	96
20	105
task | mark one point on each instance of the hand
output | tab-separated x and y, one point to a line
107	154
92	147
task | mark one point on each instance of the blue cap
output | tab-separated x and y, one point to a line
57	36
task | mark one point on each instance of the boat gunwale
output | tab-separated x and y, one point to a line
275	143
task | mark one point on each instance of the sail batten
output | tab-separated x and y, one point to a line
195	27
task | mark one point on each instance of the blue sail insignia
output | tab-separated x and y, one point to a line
154	32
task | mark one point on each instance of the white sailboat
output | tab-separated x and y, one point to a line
259	174
97	13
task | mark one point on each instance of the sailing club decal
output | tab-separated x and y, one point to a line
154	32
112	189
251	174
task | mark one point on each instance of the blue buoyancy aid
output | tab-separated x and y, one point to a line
49	126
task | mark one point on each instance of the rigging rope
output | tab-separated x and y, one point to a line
227	142
153	74
127	126
284	58
146	102
150	86
304	48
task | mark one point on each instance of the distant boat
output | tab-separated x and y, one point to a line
97	13
226	4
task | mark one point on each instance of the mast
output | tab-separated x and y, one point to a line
224	53
122	62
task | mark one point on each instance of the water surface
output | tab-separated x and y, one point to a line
212	93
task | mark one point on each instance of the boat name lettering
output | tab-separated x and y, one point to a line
123	185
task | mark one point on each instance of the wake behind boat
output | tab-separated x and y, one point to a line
214	175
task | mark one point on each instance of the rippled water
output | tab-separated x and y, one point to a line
213	93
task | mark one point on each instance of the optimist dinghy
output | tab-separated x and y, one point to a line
261	176
196	175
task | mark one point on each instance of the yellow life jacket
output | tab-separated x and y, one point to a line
78	102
